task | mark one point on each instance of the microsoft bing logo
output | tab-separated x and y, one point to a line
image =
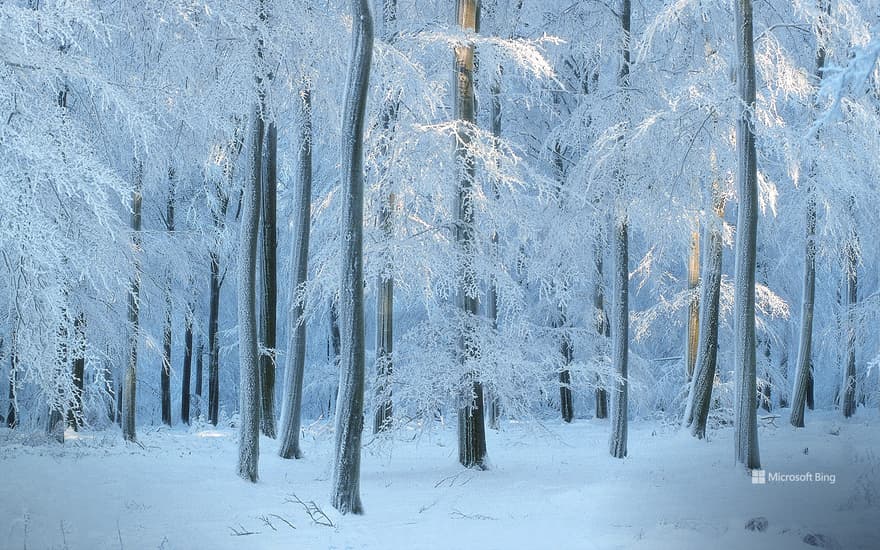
759	477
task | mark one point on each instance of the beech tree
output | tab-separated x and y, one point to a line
345	496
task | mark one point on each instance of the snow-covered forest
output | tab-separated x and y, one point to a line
439	273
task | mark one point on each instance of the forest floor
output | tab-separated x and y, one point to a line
550	486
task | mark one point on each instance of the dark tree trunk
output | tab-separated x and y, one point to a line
345	495
75	414
566	404
848	391
187	368
603	328
269	295
213	342
166	332
471	431
200	357
12	412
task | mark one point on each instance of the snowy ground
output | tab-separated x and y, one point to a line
550	487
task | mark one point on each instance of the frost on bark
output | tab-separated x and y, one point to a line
566	404
848	389
345	496
75	413
291	409
703	378
129	390
603	328
166	329
803	383
746	421
214	307
471	431
620	308
12	412
492	294
248	346
269	288
693	325
620	352
382	414
187	367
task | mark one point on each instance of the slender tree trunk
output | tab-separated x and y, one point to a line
75	416
291	410
566	404
704	374
848	391
620	318
350	403
248	346
12	412
166	332
213	340
803	385
603	328
620	313
746	423
471	431
200	356
385	282
693	332
492	295
187	368
269	295
129	391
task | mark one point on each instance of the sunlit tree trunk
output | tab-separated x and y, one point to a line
746	422
345	496
700	397
693	325
385	282
291	409
803	384
129	391
471	431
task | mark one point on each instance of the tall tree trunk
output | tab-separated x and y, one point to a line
75	414
704	373
248	345
848	391
620	318
566	404
620	313
492	294
803	384
471	432
603	329
350	403
129	391
746	423
187	367
693	332
291	410
166	331
385	282
269	295
213	339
